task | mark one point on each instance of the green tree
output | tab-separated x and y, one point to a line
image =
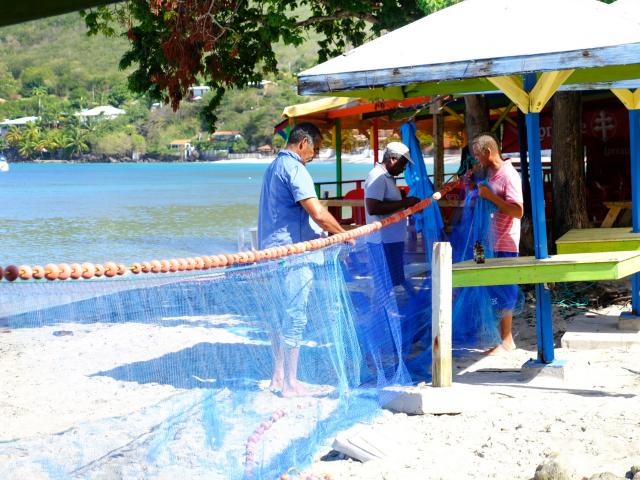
39	92
13	136
75	140
9	86
36	77
231	44
240	146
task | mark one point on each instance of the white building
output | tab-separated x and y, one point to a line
103	111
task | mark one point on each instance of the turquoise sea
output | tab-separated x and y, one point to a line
125	212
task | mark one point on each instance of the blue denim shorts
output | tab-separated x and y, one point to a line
503	297
297	286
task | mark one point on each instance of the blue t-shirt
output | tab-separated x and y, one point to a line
281	219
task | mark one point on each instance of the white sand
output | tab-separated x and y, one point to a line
327	156
592	417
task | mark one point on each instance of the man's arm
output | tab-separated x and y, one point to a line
380	207
512	209
321	215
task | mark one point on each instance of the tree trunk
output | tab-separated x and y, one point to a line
438	145
568	168
476	115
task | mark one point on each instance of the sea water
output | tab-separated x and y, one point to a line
125	212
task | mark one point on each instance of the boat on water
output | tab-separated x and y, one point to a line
4	165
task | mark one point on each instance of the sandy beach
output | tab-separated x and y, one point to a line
509	425
328	156
60	391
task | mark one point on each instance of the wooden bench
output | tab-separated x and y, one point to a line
575	267
589	240
615	208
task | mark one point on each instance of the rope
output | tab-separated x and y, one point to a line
87	270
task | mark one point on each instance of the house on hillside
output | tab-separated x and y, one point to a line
224	139
183	147
265	85
225	136
18	122
265	150
103	111
196	93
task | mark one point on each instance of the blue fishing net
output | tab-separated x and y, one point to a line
477	311
168	375
428	222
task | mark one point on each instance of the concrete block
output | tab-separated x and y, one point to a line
426	399
595	332
535	369
595	340
629	322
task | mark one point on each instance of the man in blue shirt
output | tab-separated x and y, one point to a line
288	202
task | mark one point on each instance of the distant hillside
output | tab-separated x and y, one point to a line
52	66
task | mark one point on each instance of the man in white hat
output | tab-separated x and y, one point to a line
382	199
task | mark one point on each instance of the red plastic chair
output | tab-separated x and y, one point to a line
357	213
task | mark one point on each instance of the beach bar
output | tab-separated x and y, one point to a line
586	45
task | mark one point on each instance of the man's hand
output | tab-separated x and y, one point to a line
486	193
410	201
514	210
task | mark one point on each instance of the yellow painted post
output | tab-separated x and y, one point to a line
513	89
546	86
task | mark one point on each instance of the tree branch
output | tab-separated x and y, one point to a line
339	15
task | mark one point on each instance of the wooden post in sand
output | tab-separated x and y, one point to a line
441	293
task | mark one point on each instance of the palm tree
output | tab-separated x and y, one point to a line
39	92
27	147
49	141
28	144
14	136
75	140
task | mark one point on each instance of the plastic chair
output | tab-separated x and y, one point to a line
357	213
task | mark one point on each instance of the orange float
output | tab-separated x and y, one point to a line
37	272
25	272
76	271
65	271
51	271
99	269
111	269
88	270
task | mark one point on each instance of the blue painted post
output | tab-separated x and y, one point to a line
634	135
544	325
338	147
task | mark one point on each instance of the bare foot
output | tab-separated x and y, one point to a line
497	350
301	389
505	347
509	344
276	384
